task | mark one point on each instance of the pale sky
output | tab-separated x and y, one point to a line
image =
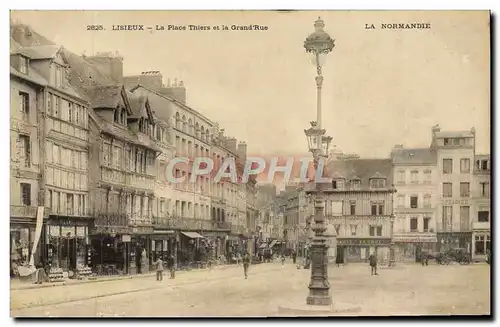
381	87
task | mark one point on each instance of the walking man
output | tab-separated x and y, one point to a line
246	264
159	269
171	265
283	260
373	263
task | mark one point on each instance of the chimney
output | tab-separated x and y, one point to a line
242	150
231	143
176	91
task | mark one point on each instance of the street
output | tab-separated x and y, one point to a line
406	289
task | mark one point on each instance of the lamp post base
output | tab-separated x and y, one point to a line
319	300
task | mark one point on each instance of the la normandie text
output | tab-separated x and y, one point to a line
399	26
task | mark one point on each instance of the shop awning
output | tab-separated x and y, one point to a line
273	243
192	234
262	246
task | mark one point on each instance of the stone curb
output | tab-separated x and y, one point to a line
106	279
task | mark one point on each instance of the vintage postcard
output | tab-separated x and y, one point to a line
249	163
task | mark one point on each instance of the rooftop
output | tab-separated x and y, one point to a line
413	156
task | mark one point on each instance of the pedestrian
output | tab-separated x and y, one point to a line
282	259
294	257
246	264
171	265
373	263
159	269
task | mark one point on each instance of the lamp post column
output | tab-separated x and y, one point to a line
392	259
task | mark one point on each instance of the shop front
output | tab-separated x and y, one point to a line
216	242
67	244
481	245
163	243
190	248
409	246
454	240
352	250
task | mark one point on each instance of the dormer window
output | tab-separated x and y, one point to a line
355	184
377	181
338	183
117	115
23	64
123	117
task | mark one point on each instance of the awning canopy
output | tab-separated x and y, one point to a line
262	246
273	243
192	234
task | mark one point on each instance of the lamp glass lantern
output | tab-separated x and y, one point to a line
319	43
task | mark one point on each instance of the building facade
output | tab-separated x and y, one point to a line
358	208
415	176
27	95
481	207
455	159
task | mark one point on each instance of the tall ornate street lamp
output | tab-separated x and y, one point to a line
392	259
319	44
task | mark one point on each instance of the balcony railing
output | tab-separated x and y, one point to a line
125	178
20	211
187	223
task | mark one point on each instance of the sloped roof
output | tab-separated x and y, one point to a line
40	51
413	156
137	105
452	134
14	46
362	169
82	75
32	76
105	96
26	36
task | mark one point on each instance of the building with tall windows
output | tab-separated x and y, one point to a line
455	152
415	176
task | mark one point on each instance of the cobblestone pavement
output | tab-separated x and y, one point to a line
405	289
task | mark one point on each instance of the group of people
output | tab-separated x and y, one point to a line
170	266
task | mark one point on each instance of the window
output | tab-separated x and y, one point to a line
59	77
23	64
483	216
353	207
24	98
413	224
464	218
69	204
464	189
401	177
482	165
105	152
57	106
447	219
414	177
380	209
447	166
25	194
374	209
70	112
24	146
379	230
334	185
354	230
414	202
447	190
356	184
377	182
465	165
427	201
401	201
484	188
372	230
427	176
426	224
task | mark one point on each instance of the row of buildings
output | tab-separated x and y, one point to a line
416	200
89	155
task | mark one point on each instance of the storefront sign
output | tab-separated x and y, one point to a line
363	241
415	239
126	238
452	202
